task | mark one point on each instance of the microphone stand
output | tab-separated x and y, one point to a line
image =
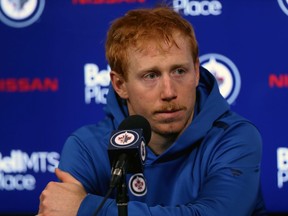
122	196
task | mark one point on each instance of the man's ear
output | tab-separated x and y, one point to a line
119	84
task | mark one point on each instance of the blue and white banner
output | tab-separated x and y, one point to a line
54	78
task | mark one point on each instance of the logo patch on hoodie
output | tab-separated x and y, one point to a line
137	185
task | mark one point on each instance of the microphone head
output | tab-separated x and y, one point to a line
137	122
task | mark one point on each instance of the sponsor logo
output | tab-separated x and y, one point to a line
284	6
124	139
282	165
24	84
226	74
20	13
278	81
137	185
82	2
197	8
96	83
16	170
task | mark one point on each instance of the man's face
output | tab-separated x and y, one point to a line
161	86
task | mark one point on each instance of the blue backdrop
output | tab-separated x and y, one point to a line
54	77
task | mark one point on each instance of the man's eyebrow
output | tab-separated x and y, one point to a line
158	69
150	69
184	64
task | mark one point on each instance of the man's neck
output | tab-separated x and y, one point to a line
159	143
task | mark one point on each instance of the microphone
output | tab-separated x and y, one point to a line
127	147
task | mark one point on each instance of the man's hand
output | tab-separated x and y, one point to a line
61	198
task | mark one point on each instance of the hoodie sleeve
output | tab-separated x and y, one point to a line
80	155
230	185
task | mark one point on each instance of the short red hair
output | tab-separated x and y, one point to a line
139	26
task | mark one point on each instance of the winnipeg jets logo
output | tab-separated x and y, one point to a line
226	74
284	6
137	185
20	13
124	138
18	4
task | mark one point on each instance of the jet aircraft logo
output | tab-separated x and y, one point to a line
124	139
20	13
226	74
137	185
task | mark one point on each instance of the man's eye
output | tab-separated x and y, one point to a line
179	71
150	76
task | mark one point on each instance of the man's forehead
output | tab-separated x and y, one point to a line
148	47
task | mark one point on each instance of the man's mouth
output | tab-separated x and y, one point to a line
168	115
168	111
170	108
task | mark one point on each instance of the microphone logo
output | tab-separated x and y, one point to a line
137	185
124	139
143	151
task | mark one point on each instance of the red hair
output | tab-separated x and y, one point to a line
139	26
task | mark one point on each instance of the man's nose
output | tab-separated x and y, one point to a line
168	89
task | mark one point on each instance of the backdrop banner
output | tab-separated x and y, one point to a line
54	78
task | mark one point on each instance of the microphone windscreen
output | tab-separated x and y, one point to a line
137	122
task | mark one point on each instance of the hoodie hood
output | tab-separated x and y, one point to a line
210	105
116	108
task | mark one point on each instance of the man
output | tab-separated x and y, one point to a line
202	158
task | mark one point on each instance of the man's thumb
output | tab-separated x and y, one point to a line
65	177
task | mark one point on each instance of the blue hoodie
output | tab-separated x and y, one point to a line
213	168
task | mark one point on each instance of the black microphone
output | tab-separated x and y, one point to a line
127	147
